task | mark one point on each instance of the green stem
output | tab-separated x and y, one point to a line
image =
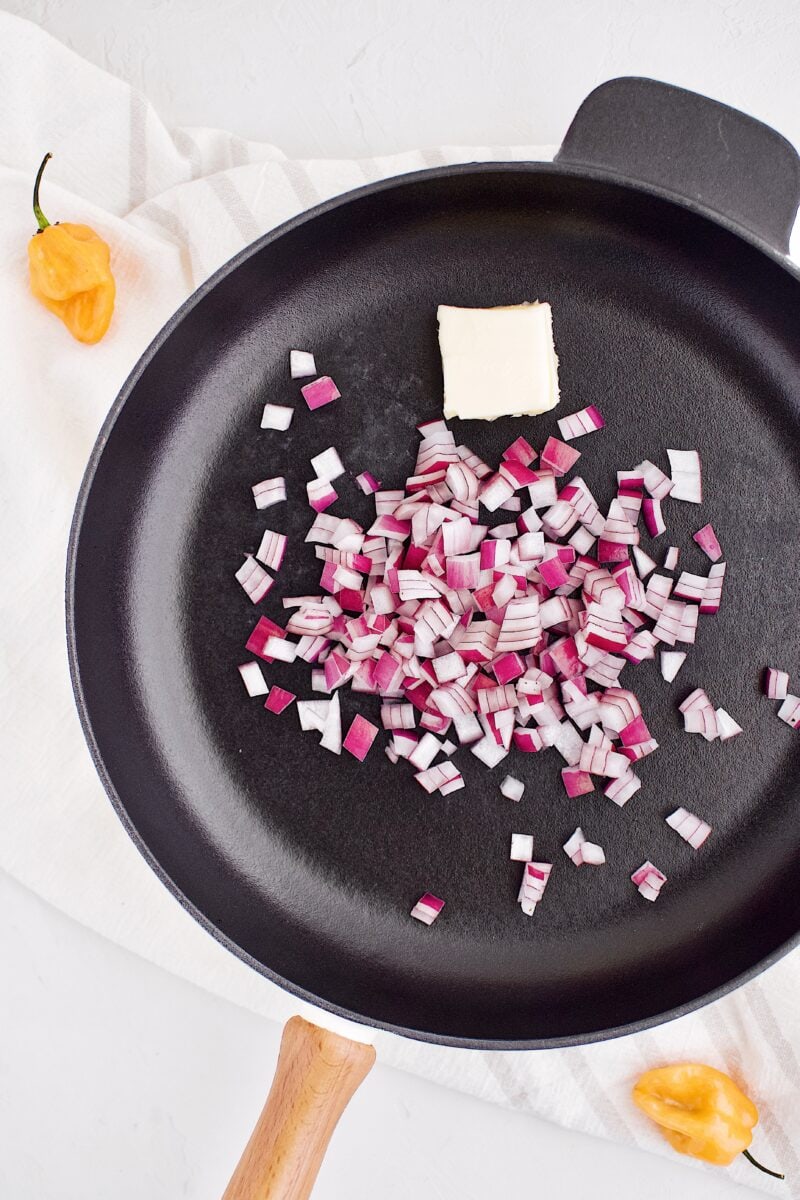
756	1163
41	219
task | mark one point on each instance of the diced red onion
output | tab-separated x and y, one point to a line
586	420
390	527
706	539
516	473
582	540
649	880
726	726
321	392
277	416
653	518
558	456
269	492
543	493
620	790
271	549
521	846
534	882
253	679
776	683
521	627
321	494
576	782
671	559
644	563
671	663
713	591
656	482
597	761
699	715
368	483
254	579
670	622
789	711
281	649
513	789
495	491
583	853
440	778
488	751
686	476
279	699
521	452
360	737
427	908
327	465
559	519
301	364
691	828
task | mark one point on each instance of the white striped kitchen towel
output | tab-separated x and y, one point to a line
175	205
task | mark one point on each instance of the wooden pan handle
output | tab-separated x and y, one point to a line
316	1075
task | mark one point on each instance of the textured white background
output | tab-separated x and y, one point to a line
115	1078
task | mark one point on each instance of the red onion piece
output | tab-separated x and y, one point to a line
521	847
620	790
534	882
327	465
576	782
649	880
301	364
521	452
276	416
656	482
279	699
686	476
706	539
543	493
321	494
488	751
253	679
691	828
653	518
644	563
269	492
582	852
254	579
713	590
513	789
558	456
671	663
776	683
368	483
586	420
789	711
360	737
271	549
427	908
321	392
727	728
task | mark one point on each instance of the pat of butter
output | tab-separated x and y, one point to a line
498	362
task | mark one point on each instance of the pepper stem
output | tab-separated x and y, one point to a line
756	1163
41	219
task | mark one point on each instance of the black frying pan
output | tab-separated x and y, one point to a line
659	237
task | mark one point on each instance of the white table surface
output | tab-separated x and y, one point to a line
116	1078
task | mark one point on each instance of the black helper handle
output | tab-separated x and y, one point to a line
699	149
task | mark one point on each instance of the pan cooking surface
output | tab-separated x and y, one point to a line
683	335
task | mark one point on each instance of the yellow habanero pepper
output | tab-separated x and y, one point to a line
70	272
701	1112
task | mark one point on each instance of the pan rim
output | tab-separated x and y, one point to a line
298	221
